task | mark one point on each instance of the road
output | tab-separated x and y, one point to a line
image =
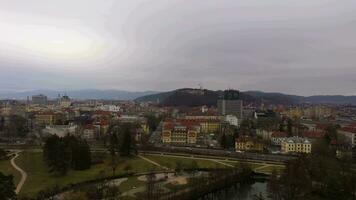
23	173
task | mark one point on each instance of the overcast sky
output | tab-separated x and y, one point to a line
303	47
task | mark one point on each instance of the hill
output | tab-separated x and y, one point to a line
196	97
190	97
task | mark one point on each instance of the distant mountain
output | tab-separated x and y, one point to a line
79	94
332	99
275	98
196	97
189	97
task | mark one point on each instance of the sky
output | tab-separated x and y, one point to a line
303	47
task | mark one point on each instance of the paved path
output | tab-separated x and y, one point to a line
23	173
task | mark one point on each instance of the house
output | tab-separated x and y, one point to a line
296	145
349	134
314	135
89	132
45	118
278	137
180	132
246	143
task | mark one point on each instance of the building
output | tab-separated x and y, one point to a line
232	120
60	130
110	108
296	145
45	118
314	135
89	132
180	133
39	99
264	134
278	137
246	143
65	101
349	134
230	104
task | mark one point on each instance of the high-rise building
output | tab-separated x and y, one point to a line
230	104
39	99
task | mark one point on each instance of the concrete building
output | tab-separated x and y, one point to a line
232	120
296	145
278	137
39	99
349	134
246	143
230	104
60	130
180	133
65	102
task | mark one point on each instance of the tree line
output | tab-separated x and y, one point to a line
63	154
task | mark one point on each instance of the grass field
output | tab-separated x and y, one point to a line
171	162
7	169
251	165
39	178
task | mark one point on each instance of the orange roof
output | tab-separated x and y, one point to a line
279	134
349	129
89	126
313	134
321	126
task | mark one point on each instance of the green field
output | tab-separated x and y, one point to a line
39	178
186	163
7	169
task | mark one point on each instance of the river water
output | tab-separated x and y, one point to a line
239	192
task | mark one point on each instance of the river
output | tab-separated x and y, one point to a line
239	192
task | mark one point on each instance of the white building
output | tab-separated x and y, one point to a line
232	120
278	137
349	134
110	108
60	130
296	145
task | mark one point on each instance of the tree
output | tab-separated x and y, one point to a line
223	142
17	126
114	151
153	121
273	187
2	123
2	154
290	127
7	187
61	154
126	142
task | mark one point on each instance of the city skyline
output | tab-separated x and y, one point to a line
302	48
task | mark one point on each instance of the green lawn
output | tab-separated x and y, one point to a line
171	162
39	178
251	165
7	169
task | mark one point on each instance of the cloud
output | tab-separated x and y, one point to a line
299	47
